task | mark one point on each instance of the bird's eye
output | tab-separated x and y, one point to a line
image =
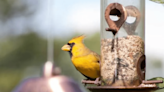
71	44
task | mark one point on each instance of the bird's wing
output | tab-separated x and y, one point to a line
97	56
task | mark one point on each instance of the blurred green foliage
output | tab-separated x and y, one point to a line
18	53
160	85
23	55
158	1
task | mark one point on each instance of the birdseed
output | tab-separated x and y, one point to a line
118	59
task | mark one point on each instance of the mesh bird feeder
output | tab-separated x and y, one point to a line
123	63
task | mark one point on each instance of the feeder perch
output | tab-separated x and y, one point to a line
123	60
51	81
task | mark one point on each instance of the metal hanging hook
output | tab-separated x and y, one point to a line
115	9
131	27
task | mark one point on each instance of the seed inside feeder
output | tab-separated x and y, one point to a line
118	61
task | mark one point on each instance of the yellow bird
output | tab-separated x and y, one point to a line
84	60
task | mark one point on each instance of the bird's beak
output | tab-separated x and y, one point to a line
66	48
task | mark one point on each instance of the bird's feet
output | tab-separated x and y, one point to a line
97	81
87	81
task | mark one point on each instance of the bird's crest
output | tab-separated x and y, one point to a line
78	38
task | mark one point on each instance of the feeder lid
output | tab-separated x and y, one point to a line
48	83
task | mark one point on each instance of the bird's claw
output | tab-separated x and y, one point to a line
97	81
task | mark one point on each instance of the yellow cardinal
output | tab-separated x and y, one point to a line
85	60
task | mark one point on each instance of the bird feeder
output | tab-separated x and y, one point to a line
123	61
122	43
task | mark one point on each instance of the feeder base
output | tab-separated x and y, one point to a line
121	89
